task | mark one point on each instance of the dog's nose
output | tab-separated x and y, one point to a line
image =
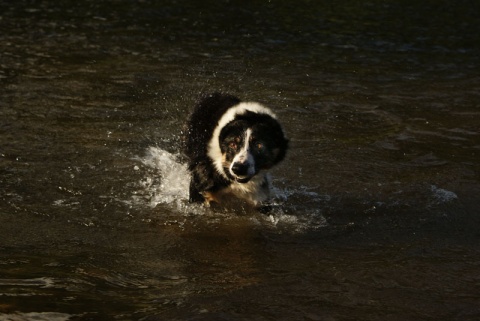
240	169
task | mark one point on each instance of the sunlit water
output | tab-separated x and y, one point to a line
376	207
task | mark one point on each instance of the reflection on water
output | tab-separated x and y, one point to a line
376	214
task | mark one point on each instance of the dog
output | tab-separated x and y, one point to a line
230	144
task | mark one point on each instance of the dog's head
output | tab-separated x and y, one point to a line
249	143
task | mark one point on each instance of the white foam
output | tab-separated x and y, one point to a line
166	181
442	195
43	282
174	176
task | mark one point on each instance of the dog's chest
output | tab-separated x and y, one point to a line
254	192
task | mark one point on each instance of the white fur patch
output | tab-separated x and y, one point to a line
254	191
244	157
214	151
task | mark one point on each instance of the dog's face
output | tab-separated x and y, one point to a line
251	143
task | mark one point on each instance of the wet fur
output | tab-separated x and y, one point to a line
216	134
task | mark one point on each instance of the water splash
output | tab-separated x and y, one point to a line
167	183
174	177
442	195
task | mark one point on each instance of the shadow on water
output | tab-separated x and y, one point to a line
376	206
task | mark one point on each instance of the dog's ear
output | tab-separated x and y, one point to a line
280	150
276	154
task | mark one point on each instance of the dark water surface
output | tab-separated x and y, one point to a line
378	200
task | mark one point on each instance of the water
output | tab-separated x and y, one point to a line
377	204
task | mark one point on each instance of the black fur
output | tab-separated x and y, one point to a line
200	127
203	120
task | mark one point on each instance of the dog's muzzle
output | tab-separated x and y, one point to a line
242	171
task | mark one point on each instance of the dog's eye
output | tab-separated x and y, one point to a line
259	146
232	145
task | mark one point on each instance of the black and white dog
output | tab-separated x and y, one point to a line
228	142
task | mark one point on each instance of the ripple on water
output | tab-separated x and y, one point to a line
37	316
354	122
